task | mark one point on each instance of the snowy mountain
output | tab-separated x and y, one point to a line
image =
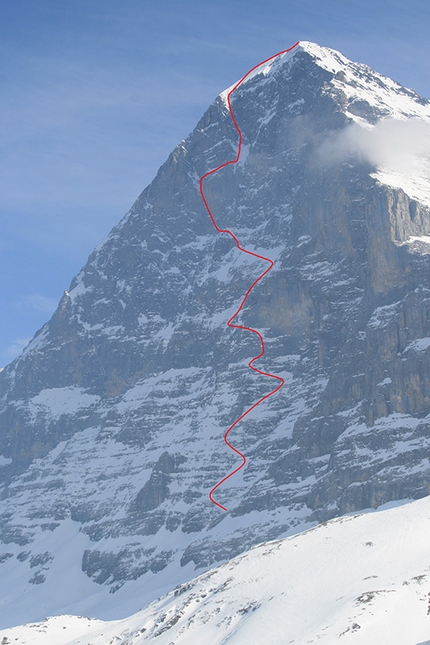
363	580
111	421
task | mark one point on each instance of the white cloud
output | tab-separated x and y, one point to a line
399	145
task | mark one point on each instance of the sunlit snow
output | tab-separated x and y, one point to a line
363	580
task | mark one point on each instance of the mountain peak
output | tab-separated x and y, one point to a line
355	83
329	59
111	421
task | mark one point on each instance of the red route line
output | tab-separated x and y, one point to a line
255	255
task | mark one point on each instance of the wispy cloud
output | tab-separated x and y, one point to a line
36	302
391	143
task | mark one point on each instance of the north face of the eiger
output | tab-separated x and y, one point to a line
111	420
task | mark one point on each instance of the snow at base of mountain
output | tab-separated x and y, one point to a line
362	579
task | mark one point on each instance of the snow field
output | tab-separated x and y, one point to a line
362	580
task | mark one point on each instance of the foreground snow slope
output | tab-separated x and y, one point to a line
361	579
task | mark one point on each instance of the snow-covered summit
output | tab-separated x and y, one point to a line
389	125
358	81
367	99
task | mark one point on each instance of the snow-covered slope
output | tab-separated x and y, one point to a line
111	421
363	580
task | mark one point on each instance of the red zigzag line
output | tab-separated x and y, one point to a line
255	255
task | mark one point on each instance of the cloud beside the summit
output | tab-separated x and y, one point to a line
399	145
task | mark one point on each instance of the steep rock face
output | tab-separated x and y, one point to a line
113	416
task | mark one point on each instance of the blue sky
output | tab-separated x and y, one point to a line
96	93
